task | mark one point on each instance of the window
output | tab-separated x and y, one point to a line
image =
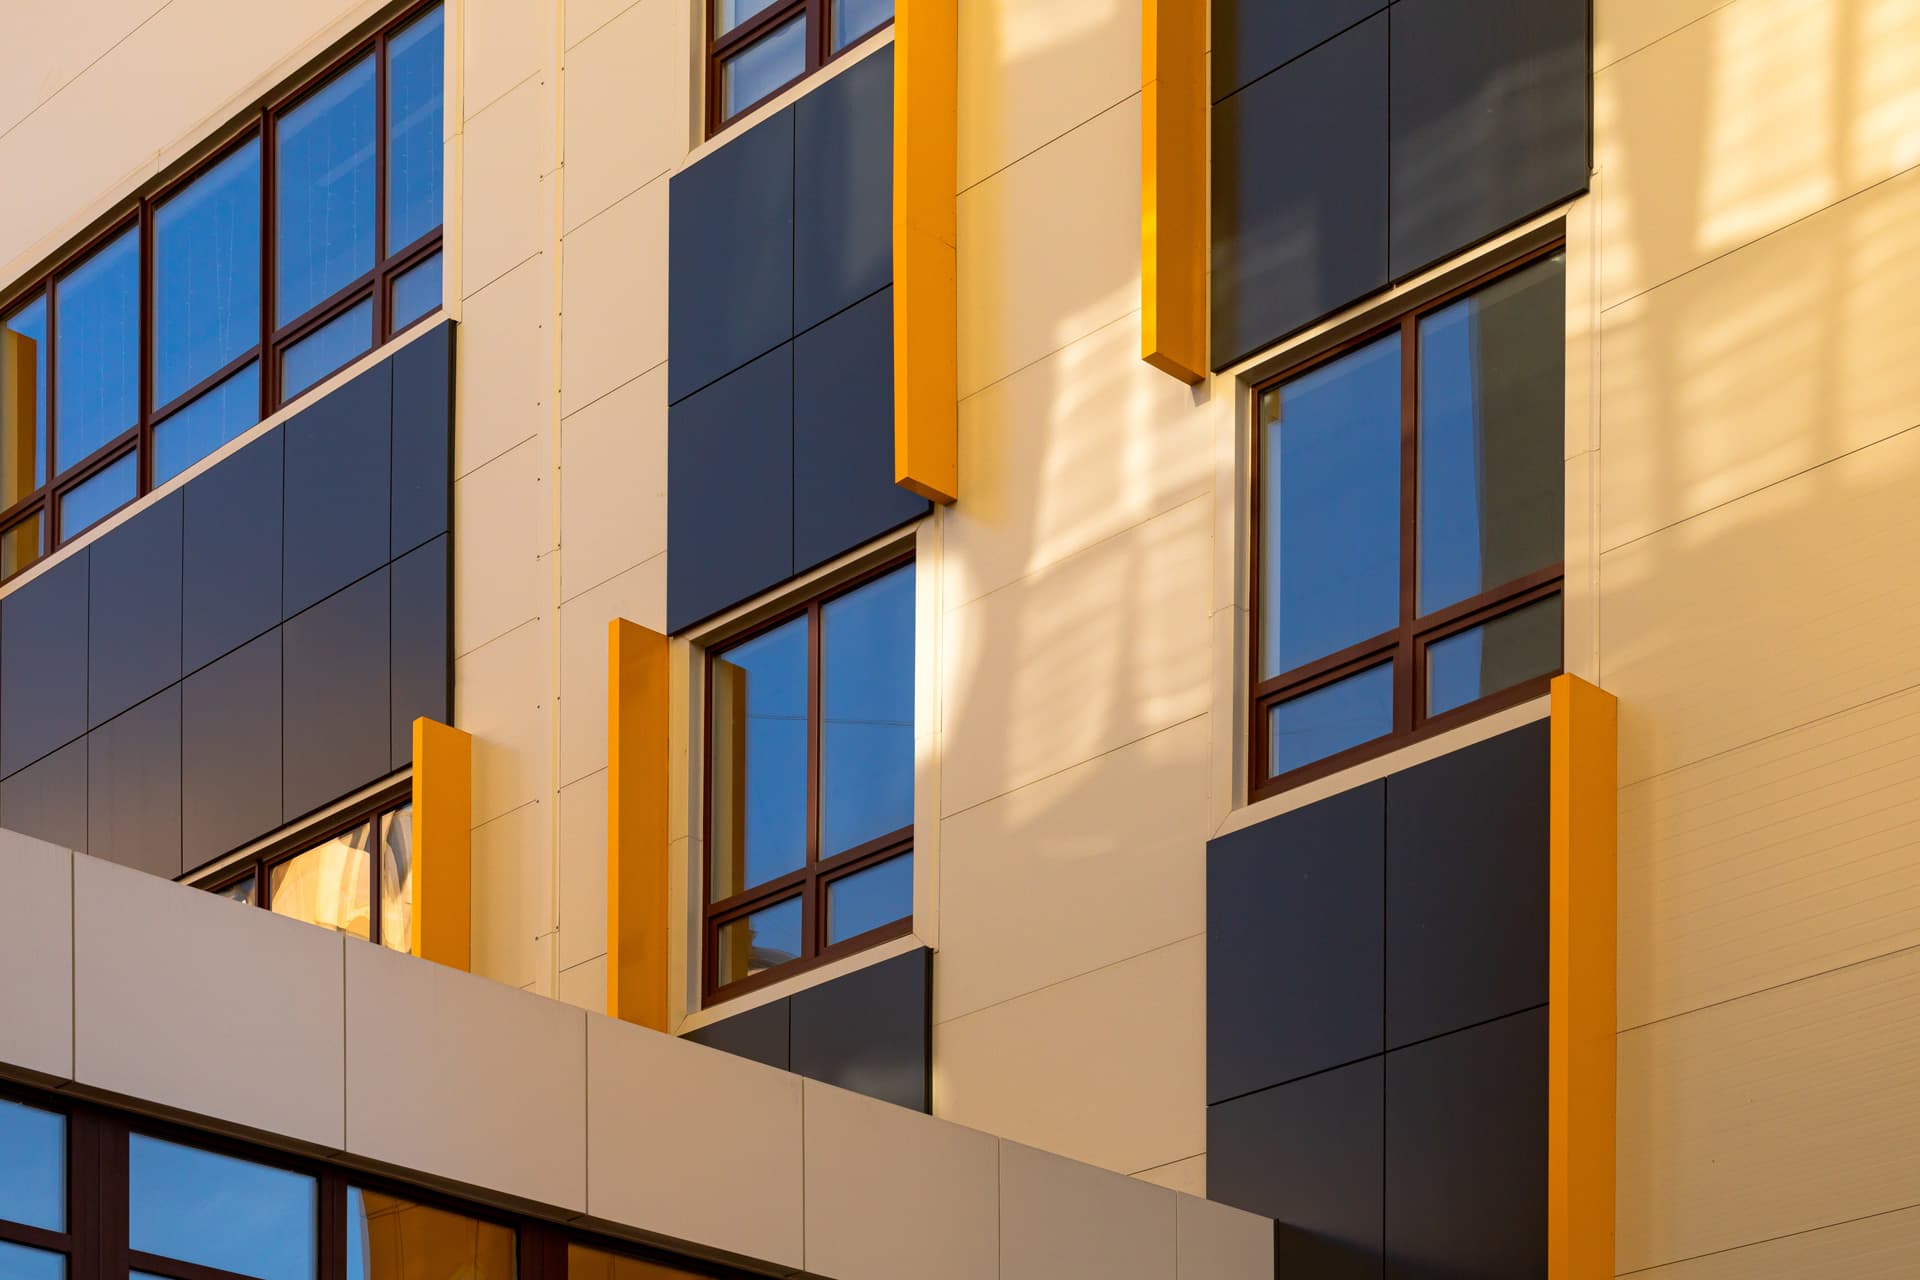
1410	499
356	878
810	783
305	238
759	47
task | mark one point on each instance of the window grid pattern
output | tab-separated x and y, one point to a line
823	43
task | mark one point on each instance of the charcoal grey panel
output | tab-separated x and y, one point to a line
1310	1156
230	578
1466	1185
48	799
871	1031
1490	119
422	648
338	713
1252	37
1467	886
1300	192
759	1034
730	470
1295	921
423	439
230	751
843	191
339	460
133	787
133	633
843	488
43	664
730	242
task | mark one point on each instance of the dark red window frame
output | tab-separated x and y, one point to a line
820	50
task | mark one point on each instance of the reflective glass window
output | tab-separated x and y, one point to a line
729	14
584	1263
206	264
416	292
389	1238
329	884
1509	650
396	878
416	147
869	898
866	695
241	890
21	545
324	183
221	414
1330	719
761	941
855	18
97	350
23	401
33	1167
774	60
18	1262
218	1211
758	759
99	495
326	350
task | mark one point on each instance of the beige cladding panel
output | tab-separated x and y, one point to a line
36	955
1056	1215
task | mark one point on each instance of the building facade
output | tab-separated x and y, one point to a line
958	639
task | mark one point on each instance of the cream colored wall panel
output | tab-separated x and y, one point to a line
1109	1068
1110	860
584	17
1222	1243
1882	1247
638	595
506	208
500	697
36	938
1580	599
1803	592
892	1193
506	43
1771	863
1030	70
1099	650
48	48
457	1077
725	1176
585	985
513	901
159	973
1074	449
626	108
503	376
583	870
1761	113
1189	1175
613	484
1049	248
502	526
1060	1218
1782	1112
1623	27
1771	360
614	298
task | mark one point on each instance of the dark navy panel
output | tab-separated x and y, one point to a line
843	191
730	470
338	472
730	241
422	647
1295	922
48	800
1466	1180
870	1031
230	751
1252	37
1310	1155
230	579
1490	119
133	633
422	439
759	1034
1467	886
43	664
133	787
338	713
843	489
1300	192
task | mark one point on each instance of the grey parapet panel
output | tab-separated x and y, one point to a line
843	190
871	1031
338	484
43	664
337	712
422	484
422	643
230	575
133	787
230	750
1253	37
134	602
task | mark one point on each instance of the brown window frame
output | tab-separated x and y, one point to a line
810	882
1405	647
256	125
819	42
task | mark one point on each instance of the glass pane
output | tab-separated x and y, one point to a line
21	546
396	878
416	151
33	1167
855	18
765	65
99	496
1330	561
416	292
868	899
218	1211
17	1262
393	1239
760	941
206	265
1511	649
729	14
866	696
1331	719
327	349
595	1264
759	760
1492	436
324	183
97	369
328	885
187	435
240	890
23	402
